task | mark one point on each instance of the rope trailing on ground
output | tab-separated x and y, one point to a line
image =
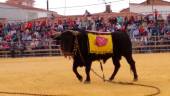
29	94
77	49
158	91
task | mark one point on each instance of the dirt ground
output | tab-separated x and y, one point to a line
53	76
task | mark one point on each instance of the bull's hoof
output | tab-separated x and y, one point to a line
86	82
110	79
135	79
80	78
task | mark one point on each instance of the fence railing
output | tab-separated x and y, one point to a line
151	45
31	53
30	48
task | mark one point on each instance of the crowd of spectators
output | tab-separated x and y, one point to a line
37	34
25	36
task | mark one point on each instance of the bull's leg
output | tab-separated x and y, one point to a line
116	62
87	69
80	78
132	65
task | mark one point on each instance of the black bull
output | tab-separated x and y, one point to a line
75	44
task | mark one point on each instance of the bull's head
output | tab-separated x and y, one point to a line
67	42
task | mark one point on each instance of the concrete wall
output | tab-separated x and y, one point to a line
14	14
148	9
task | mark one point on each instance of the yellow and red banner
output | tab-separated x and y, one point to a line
100	43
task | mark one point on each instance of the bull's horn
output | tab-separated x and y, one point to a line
74	32
56	34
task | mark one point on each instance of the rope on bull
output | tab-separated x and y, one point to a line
158	91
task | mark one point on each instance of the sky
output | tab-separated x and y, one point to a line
65	7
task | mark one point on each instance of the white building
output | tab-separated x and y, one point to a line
20	13
149	6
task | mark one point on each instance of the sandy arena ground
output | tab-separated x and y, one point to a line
53	76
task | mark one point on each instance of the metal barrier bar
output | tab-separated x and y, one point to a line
55	50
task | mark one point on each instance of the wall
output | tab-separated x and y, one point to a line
147	9
14	14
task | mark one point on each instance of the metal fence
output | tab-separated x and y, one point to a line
153	45
16	49
150	45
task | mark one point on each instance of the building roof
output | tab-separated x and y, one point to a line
22	2
24	7
155	2
125	10
107	15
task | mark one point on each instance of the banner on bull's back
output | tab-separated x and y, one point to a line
100	43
